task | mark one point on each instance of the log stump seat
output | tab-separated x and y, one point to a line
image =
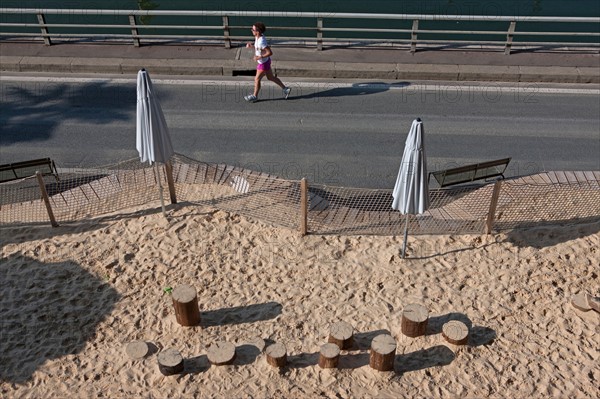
276	355
414	320
455	332
341	334
330	355
221	353
185	302
170	362
383	353
137	349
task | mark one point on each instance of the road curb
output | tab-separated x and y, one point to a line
317	69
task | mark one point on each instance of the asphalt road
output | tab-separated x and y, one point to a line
338	133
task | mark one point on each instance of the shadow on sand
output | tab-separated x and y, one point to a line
48	310
240	314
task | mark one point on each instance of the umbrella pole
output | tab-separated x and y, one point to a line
160	190
405	237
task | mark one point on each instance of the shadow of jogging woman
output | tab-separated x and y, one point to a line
333	90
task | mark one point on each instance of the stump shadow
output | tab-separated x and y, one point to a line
435	323
354	360
47	311
196	365
358	356
478	335
481	336
240	314
302	360
153	349
439	355
362	341
246	354
269	341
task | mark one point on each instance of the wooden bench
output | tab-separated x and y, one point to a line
20	170
469	173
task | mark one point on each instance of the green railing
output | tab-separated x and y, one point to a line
316	28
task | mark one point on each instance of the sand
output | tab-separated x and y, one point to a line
74	297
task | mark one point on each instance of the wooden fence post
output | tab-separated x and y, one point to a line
493	204
170	182
303	207
38	175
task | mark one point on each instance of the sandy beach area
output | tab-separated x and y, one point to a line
73	297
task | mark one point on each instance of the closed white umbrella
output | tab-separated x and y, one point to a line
153	140
411	192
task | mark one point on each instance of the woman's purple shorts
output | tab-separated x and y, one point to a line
264	67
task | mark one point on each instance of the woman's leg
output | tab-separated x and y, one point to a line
257	79
274	79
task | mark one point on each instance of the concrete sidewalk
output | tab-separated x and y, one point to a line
474	64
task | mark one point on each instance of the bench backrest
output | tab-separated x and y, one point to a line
19	170
469	173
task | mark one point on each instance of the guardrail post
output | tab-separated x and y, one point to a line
413	36
42	22
38	175
134	31
493	204
303	207
319	34
509	37
226	31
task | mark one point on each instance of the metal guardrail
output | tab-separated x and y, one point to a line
322	33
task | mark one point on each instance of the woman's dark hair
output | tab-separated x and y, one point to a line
260	26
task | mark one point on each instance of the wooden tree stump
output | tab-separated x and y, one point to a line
137	349
383	353
185	302
455	332
341	334
414	320
276	355
170	362
330	355
221	353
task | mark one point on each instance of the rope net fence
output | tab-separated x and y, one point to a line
547	198
78	194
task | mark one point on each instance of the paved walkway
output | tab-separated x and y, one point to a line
387	63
